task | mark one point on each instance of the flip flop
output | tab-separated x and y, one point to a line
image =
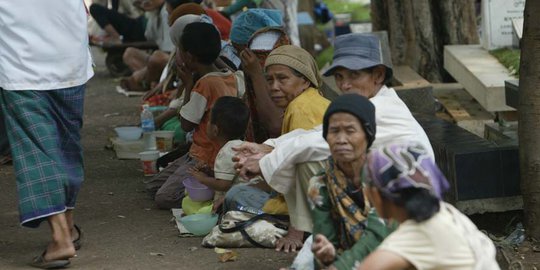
77	243
40	262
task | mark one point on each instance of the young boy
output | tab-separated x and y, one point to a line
200	46
227	127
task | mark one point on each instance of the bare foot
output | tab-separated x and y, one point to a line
129	84
59	251
291	242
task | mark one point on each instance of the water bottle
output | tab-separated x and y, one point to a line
148	127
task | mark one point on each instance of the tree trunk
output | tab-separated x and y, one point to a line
419	29
529	118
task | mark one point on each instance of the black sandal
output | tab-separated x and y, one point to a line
77	242
40	262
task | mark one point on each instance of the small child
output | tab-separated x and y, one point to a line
199	48
227	127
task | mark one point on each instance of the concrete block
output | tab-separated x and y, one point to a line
480	74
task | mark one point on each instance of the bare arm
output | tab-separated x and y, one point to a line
270	115
211	182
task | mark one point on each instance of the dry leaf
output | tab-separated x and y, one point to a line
228	256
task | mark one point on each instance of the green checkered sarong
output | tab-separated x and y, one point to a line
43	130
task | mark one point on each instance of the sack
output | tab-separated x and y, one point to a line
241	229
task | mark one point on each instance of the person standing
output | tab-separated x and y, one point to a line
44	66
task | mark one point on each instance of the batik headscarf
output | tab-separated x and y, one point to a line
267	39
396	167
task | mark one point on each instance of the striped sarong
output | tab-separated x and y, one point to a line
44	133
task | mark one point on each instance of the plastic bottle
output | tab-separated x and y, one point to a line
148	127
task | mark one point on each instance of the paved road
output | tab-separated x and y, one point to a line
121	225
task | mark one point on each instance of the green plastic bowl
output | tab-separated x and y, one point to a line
199	224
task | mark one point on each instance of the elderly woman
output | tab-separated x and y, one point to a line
406	186
343	226
293	80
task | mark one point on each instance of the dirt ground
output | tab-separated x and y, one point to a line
122	227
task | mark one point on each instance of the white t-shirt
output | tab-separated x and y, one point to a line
224	166
437	243
157	29
394	123
43	45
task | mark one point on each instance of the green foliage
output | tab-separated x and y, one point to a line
325	57
359	12
509	58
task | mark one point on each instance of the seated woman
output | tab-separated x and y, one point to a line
405	185
344	228
293	80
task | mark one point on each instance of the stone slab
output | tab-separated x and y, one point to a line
476	168
511	89
480	73
493	205
497	16
462	108
414	90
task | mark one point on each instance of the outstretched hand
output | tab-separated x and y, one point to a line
247	158
291	242
323	249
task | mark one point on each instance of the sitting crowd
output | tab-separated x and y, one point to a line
356	175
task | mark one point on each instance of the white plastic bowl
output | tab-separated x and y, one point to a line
129	133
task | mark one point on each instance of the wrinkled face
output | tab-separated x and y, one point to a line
284	85
360	82
346	138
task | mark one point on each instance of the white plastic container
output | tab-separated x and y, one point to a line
149	162
164	140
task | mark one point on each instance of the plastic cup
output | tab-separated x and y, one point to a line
149	162
164	140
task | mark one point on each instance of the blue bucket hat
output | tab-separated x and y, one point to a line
250	21
356	52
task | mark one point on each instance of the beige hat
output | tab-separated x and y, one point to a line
297	59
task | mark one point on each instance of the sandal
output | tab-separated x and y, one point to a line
77	242
40	262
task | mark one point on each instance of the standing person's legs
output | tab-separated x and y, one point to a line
4	143
43	130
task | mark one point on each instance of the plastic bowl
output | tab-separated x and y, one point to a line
199	224
128	133
197	191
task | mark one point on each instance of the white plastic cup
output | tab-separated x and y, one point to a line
164	140
149	162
